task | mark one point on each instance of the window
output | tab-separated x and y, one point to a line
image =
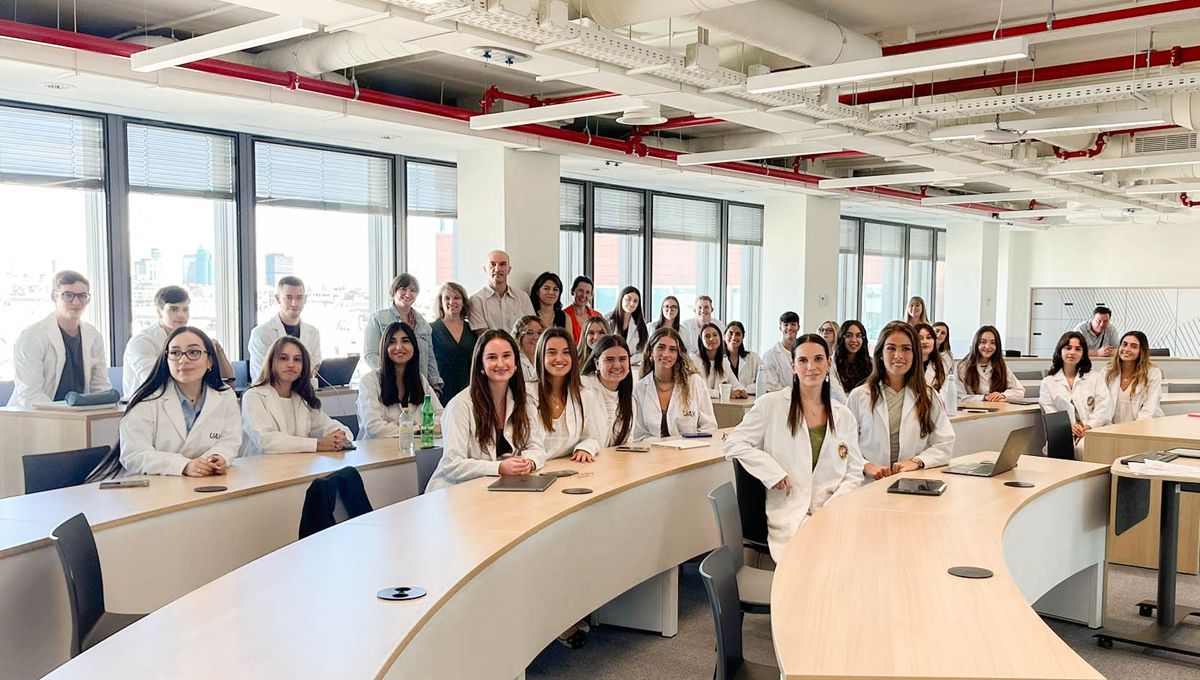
687	252
326	217
920	267
570	235
620	222
848	283
897	262
183	227
431	195
882	275
52	190
743	278
939	277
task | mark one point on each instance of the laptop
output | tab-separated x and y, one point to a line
1014	446
521	483
336	372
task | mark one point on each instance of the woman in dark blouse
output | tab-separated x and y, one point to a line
453	339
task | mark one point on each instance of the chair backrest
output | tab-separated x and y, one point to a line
116	378
332	499
1160	351
241	374
1012	353
752	506
1028	375
46	471
720	582
6	390
729	524
76	547
427	462
1176	388
1060	443
350	421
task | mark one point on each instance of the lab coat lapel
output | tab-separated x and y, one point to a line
54	337
175	412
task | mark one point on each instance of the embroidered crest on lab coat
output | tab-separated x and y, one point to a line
843	451
1091	402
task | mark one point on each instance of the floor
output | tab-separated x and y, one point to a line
629	655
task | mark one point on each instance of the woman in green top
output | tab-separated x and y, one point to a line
453	339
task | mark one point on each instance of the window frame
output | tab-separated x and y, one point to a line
938	233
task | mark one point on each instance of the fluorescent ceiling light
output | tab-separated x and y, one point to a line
754	153
884	180
1036	213
990	198
885	67
1128	163
1147	189
543	114
227	41
1056	125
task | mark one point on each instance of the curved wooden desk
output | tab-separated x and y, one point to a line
862	590
163	541
506	573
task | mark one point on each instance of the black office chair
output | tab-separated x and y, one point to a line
718	572
333	499
752	508
1028	375
47	471
1060	442
1160	351
427	462
753	583
6	390
1012	353
350	421
92	623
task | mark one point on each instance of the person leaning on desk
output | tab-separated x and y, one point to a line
281	412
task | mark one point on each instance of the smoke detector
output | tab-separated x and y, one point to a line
650	115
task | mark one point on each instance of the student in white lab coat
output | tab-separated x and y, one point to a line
183	420
777	360
745	364
61	353
628	321
281	412
173	304
690	329
1072	386
607	372
942	330
828	330
902	424
668	314
398	382
851	360
983	374
672	398
490	428
938	375
594	328
713	364
527	331
290	294
800	444
1134	382
572	417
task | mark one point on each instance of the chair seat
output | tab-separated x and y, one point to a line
108	624
755	671
754	586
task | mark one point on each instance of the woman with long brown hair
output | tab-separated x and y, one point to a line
1072	386
383	393
937	374
983	373
608	373
281	412
1134	382
570	415
628	321
713	362
672	398
851	360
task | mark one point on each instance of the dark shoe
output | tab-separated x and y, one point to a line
574	640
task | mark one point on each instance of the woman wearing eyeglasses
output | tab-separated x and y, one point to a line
527	331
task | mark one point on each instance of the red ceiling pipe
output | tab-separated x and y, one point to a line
550	101
1102	140
1175	56
494	94
1183	199
1041	27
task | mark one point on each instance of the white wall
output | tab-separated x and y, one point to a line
972	253
800	262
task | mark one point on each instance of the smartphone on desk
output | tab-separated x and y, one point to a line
696	435
125	484
637	448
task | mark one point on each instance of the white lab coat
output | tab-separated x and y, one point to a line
272	329
1146	403
141	354
647	415
766	448
581	428
747	371
631	339
610	402
874	435
155	440
689	330
1015	389
777	362
39	357
265	425
837	393
712	379
376	420
949	391
463	458
1086	402
529	371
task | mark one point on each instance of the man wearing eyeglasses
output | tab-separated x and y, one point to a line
61	353
290	295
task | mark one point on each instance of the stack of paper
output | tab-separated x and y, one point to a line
1160	469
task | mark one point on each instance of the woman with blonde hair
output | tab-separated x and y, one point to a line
916	312
594	328
1134	382
527	331
672	398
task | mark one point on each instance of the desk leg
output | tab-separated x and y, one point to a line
652	605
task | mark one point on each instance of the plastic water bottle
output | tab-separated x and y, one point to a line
427	422
760	383
406	431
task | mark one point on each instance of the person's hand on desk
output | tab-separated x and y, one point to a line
581	456
995	396
906	466
738	393
873	471
784	485
516	465
332	442
206	466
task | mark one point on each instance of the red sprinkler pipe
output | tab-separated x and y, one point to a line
681	122
1102	139
1183	199
494	94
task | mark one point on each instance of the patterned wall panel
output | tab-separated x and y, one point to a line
1170	317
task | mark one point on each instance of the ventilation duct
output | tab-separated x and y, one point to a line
334	52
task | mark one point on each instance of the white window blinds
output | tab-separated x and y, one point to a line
323	180
885	240
619	212
182	162
848	237
42	148
431	190
745	225
686	219
570	206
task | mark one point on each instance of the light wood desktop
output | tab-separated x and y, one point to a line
862	590
729	412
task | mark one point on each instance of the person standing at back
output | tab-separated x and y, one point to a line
498	305
1100	334
61	353
404	291
290	295
173	304
777	360
690	330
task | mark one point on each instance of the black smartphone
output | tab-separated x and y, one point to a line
125	484
918	487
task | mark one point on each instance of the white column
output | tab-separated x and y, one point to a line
972	254
507	200
800	261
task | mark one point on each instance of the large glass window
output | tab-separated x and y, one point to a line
183	227
897	262
743	279
431	214
883	275
52	197
920	267
620	222
939	276
570	235
326	217
687	252
848	286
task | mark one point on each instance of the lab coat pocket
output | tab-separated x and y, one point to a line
779	520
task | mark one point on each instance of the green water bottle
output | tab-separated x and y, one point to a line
427	421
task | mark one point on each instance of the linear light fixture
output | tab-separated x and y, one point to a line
1147	189
543	114
1036	213
989	198
754	153
227	41
885	67
1057	124
1128	163
885	180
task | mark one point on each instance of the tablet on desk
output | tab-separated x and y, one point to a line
521	483
918	487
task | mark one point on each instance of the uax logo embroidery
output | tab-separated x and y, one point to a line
214	435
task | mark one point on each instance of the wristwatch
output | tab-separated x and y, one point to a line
920	463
